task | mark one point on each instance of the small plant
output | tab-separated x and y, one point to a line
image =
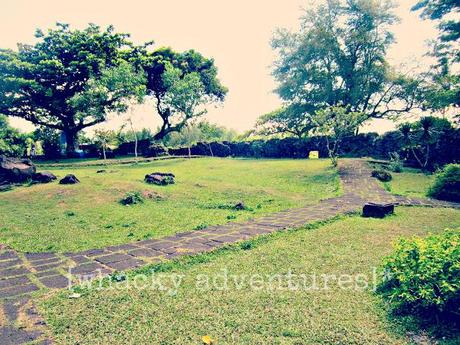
382	175
200	226
447	184
132	198
396	164
423	274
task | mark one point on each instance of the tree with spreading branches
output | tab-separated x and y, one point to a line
338	59
69	80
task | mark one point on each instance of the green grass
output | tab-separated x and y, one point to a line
53	217
351	245
411	182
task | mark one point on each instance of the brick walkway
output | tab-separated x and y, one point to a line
21	274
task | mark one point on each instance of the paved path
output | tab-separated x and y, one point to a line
21	274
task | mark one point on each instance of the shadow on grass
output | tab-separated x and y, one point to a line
428	327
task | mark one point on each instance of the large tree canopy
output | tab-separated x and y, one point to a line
182	84
339	59
68	80
443	88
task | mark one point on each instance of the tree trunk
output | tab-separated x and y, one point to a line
135	145
210	150
189	152
71	143
103	152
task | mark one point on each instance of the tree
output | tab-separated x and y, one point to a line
104	138
336	123
421	137
438	10
182	85
443	89
12	142
286	120
69	80
339	59
49	140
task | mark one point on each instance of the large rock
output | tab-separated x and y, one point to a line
69	179
160	179
377	210
13	170
43	177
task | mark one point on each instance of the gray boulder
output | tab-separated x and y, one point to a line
160	179
14	170
377	210
69	179
43	177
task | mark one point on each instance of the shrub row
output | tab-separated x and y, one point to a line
446	150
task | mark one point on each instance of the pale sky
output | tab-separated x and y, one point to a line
235	33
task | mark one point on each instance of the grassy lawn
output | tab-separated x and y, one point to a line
53	217
411	182
241	315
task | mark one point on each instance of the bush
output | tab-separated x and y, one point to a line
382	175
423	274
396	164
156	150
132	198
447	184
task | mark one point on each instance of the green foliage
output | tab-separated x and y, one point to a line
443	87
68	80
382	175
420	138
12	142
339	59
201	132
424	273
335	123
132	198
285	120
396	164
103	138
49	139
447	184
180	83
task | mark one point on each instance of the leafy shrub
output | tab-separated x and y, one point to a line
423	274
382	175
447	184
132	198
396	164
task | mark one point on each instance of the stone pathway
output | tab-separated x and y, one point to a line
22	274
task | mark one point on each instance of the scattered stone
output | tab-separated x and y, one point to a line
376	210
14	170
160	179
239	206
69	179
152	195
43	177
382	175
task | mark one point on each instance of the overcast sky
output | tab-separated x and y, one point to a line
235	33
